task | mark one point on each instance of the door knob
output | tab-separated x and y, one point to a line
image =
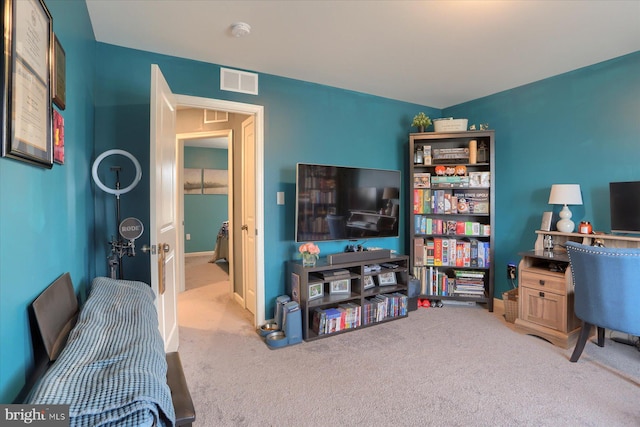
146	248
245	227
166	247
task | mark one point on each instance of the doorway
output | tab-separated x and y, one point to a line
205	214
257	112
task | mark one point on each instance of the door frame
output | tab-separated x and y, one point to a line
258	112
182	140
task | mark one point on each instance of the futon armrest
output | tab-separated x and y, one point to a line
182	403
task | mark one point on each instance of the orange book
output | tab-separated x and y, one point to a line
418	201
437	251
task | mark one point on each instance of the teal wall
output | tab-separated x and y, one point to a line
304	122
46	216
578	127
204	213
581	127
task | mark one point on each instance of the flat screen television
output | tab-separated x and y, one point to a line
624	202
346	203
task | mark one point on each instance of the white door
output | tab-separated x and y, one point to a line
249	213
163	220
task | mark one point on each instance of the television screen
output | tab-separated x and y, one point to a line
346	203
624	202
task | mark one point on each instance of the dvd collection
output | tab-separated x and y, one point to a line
352	315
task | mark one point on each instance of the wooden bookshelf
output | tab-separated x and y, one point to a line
314	289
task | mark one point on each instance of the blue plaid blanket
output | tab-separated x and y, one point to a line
112	372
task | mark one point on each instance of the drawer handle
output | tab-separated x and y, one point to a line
541	282
541	294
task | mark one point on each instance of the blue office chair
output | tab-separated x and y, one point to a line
607	291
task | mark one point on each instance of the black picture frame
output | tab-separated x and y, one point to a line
26	77
59	74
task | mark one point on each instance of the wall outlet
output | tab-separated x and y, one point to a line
511	271
188	236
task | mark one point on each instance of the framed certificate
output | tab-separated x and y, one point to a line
59	75
27	109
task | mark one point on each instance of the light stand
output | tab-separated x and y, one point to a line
131	228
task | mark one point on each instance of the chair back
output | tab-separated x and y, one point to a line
607	286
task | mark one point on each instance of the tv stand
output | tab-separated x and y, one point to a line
345	257
355	294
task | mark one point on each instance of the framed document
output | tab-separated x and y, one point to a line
27	109
59	75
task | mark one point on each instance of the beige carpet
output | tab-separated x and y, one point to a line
200	272
207	303
450	366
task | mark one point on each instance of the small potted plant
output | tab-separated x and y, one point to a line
421	121
310	253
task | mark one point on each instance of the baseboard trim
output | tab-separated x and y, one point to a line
193	254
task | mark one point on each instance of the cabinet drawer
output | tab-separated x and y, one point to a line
543	280
544	308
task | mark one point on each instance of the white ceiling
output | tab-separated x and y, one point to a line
433	53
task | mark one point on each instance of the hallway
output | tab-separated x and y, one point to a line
206	303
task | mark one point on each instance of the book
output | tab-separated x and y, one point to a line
474	202
426	201
422	180
475	179
418	251
418	200
333	320
426	155
437	251
319	319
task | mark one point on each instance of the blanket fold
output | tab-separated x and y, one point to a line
113	370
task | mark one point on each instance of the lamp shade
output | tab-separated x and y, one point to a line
565	194
390	193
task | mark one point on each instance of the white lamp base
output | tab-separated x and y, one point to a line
565	224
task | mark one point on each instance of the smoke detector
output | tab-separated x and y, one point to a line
240	29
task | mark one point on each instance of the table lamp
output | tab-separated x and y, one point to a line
388	194
565	194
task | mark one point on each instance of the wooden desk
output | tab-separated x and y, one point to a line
545	304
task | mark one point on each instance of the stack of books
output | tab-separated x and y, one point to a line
469	283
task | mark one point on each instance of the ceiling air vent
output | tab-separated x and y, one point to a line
238	81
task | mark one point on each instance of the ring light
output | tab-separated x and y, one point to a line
96	179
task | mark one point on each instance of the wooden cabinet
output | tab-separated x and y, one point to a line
351	288
545	304
450	243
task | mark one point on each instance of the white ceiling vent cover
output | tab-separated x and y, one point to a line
238	81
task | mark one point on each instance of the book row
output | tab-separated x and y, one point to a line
427	225
351	315
438	283
472	180
427	201
440	251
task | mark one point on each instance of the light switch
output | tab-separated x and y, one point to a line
280	197
188	236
